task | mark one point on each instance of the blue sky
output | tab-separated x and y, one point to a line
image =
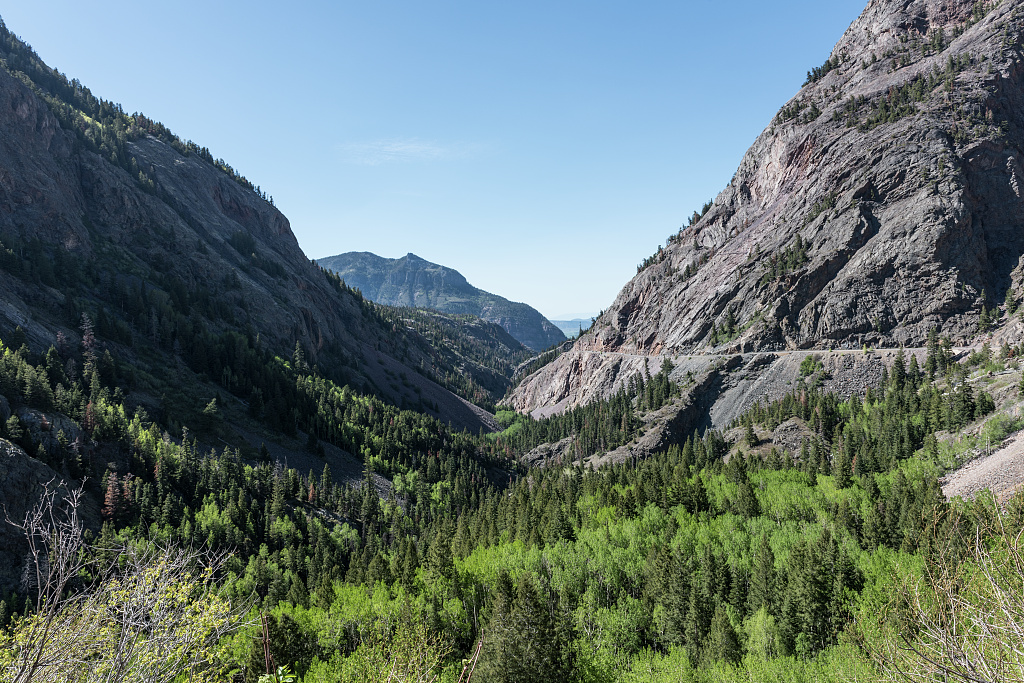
543	149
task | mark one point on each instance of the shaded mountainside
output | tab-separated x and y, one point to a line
480	358
882	201
413	282
171	253
807	540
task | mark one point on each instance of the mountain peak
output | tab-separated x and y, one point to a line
416	282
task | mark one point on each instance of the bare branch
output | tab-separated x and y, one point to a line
153	613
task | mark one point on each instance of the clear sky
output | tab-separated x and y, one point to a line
543	149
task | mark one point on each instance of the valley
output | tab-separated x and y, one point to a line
789	450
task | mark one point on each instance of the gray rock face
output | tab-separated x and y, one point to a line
899	171
75	200
412	281
224	256
45	428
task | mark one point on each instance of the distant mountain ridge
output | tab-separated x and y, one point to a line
415	282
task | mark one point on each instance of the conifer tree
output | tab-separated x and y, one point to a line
931	361
723	645
762	578
751	435
523	642
841	471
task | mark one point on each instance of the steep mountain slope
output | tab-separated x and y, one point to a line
169	251
412	281
883	200
481	358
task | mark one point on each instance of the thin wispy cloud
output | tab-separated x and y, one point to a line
398	150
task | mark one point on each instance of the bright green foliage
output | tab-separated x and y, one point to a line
403	651
959	604
809	365
282	675
679	562
159	618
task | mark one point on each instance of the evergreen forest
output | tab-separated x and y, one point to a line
714	560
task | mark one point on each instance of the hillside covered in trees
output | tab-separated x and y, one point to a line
712	559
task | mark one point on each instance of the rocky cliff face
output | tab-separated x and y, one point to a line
180	244
883	200
412	281
53	192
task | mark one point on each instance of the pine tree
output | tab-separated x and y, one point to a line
762	578
723	644
751	435
277	496
113	499
747	505
523	641
326	483
931	361
439	556
841	471
899	371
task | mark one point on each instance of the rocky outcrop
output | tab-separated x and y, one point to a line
412	281
716	390
882	201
